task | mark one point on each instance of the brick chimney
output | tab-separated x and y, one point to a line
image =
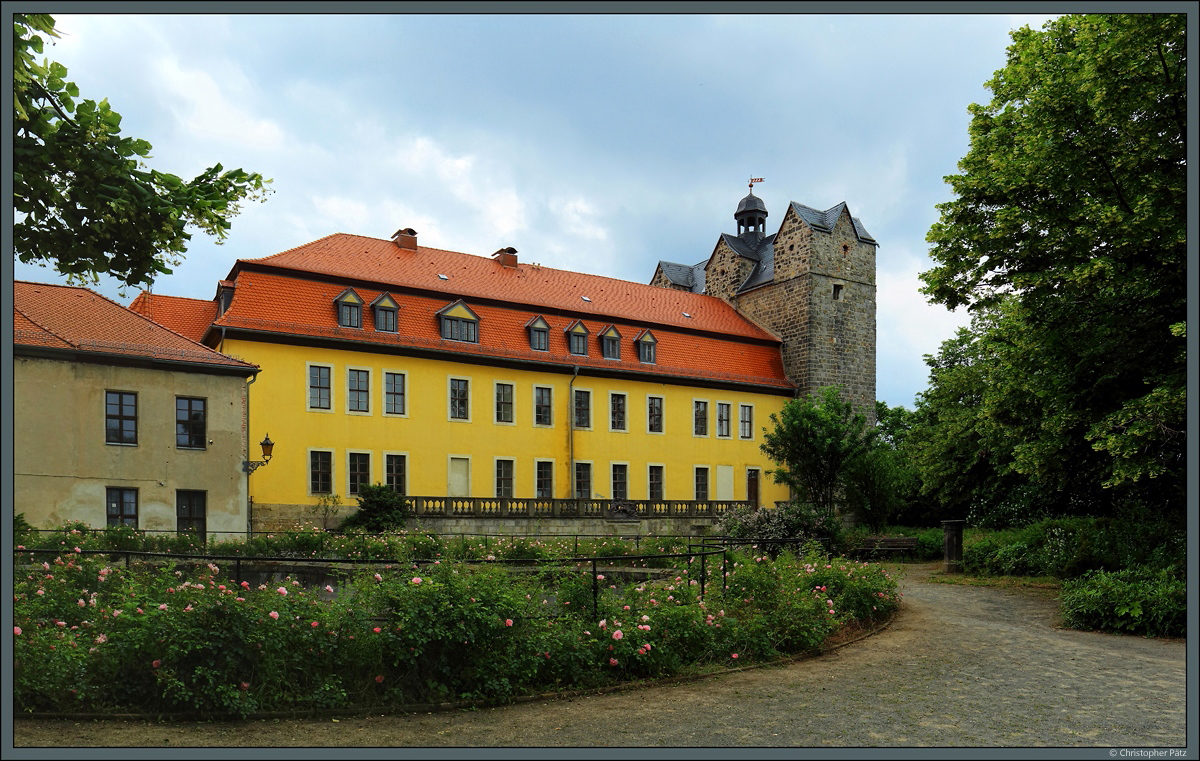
405	238
506	256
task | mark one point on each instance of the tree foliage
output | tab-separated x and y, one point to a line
814	441
85	202
1067	238
380	508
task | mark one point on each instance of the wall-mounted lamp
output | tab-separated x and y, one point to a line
267	446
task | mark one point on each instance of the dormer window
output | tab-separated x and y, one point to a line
459	323
385	313
646	344
610	343
224	296
577	338
349	309
539	334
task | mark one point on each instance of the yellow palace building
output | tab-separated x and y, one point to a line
518	390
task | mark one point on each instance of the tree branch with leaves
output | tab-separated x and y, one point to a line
85	201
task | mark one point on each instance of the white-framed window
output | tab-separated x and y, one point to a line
723	419
543	407
358	470
458	399
349	309
459	322
701	483
505	476
505	396
543	479
395	393
320	471
655	479
646	344
320	394
654	414
700	417
395	471
358	391
581	409
583	479
618	412
746	421
620	480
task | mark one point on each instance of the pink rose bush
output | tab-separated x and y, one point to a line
330	645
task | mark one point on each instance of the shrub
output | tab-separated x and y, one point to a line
380	508
789	520
188	638
1140	601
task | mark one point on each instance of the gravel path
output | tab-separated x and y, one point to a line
959	666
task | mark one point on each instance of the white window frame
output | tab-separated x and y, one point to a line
553	477
370	468
591	478
612	494
308	387
407	467
717	419
495	466
513	401
450	398
708	482
707	422
533	408
741	408
662	398
332	471
470	472
383	392
370	384
590	409
662	465
625	396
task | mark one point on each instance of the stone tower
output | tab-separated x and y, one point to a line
812	284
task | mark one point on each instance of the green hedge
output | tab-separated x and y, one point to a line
93	637
1136	600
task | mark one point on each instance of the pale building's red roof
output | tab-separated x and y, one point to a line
69	317
187	317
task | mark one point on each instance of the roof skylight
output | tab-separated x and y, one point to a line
585	298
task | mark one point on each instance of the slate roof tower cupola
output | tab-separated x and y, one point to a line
751	218
811	284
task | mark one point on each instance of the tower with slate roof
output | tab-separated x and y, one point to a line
812	284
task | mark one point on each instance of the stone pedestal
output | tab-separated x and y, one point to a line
952	539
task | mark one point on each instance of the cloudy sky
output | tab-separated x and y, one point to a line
600	144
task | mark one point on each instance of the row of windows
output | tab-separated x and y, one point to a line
358	400
121	420
191	509
459	323
358	466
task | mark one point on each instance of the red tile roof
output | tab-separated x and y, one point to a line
541	288
69	317
187	317
285	301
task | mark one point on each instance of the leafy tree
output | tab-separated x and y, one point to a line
813	441
1068	232
380	508
84	200
875	486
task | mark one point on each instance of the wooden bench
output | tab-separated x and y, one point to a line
874	545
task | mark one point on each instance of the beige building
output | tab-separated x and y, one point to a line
120	421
